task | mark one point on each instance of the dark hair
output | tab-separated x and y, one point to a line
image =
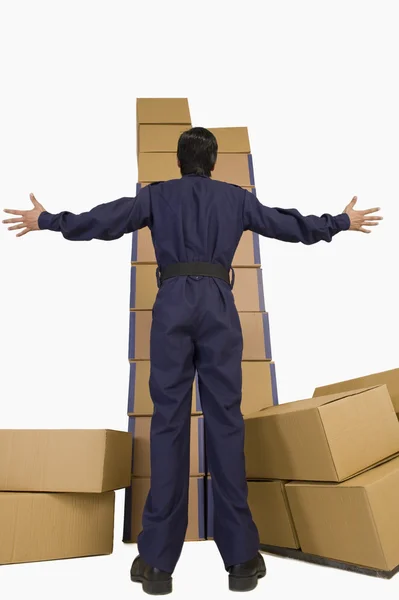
197	152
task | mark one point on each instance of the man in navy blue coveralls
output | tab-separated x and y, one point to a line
196	224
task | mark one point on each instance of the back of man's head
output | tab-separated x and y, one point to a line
197	152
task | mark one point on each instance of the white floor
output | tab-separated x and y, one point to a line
199	574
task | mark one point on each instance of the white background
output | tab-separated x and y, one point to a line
316	83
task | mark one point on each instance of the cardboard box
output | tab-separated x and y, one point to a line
255	329
231	168
389	378
259	388
157	111
248	288
232	139
270	512
135	500
247	253
355	522
235	168
38	527
329	438
160	138
139	402
86	461
256	335
141	464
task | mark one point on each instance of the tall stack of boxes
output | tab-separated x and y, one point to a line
160	122
57	492
159	125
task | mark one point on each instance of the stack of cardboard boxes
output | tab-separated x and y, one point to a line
57	492
159	125
324	476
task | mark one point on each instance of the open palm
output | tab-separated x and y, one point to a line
27	220
360	219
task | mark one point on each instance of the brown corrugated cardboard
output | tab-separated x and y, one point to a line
85	460
255	330
248	288
135	501
355	521
329	438
247	253
38	527
256	335
140	429
163	111
160	138
270	512
140	403
231	168
232	139
389	378
154	166
259	388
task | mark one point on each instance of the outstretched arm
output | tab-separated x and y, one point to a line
108	221
288	225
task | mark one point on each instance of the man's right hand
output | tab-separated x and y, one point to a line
360	219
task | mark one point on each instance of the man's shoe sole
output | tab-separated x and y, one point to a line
154	588
245	584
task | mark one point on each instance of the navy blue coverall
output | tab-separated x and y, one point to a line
195	327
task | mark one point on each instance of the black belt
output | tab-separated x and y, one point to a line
195	269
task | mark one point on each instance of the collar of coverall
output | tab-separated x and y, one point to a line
195	175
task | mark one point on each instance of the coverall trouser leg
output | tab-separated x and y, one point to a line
218	352
165	516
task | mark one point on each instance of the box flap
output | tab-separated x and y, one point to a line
390	378
308	404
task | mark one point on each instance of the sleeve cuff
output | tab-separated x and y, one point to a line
44	220
342	222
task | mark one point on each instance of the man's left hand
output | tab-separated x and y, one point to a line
27	220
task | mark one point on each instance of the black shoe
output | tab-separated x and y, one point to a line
244	577
155	582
